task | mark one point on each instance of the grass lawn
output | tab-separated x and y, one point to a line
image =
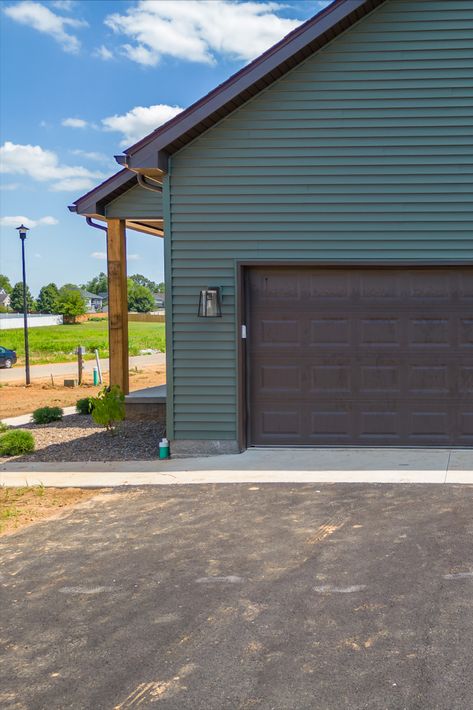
57	343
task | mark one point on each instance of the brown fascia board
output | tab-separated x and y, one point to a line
94	201
153	150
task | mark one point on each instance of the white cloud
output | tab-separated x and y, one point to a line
92	155
74	123
104	53
140	121
30	223
42	19
65	5
44	166
198	30
102	256
38	256
9	186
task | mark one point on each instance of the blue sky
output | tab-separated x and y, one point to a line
81	80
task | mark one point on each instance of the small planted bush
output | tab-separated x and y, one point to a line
45	415
3	427
16	442
109	407
84	405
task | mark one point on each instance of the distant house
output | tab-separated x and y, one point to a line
93	302
4	299
158	300
104	296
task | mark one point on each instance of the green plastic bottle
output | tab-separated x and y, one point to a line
164	449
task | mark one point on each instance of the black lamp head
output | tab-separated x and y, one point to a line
22	231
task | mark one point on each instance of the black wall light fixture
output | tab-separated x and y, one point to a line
210	302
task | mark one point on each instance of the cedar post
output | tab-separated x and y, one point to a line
117	304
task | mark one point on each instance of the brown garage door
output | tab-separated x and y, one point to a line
360	356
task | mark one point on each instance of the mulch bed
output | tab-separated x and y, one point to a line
78	438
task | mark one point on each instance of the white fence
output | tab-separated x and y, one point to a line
8	321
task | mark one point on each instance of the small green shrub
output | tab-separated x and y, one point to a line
45	415
16	442
3	427
84	405
109	407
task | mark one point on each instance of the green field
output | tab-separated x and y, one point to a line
57	343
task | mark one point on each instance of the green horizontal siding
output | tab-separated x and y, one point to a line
364	152
137	203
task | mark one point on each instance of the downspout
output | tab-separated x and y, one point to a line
95	224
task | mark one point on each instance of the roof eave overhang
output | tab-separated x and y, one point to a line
92	204
151	154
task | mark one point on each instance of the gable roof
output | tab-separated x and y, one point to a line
87	294
150	154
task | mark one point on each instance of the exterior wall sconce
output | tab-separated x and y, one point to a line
210	302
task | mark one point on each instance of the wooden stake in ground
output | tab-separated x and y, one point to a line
80	362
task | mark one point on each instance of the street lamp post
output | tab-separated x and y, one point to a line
22	231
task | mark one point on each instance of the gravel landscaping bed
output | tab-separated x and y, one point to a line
78	438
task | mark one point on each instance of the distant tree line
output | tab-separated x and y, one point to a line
68	300
99	283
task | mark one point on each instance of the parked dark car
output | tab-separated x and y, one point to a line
7	357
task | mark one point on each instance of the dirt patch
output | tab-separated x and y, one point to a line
16	398
78	438
20	507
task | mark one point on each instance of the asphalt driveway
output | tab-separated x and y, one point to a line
284	596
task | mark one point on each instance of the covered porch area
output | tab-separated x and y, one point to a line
125	202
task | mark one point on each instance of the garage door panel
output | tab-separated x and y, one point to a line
280	332
360	356
379	425
384	287
279	378
466	333
281	423
276	286
330	331
465	287
422	287
466	380
430	424
331	378
331	424
376	332
335	287
427	332
380	379
427	379
465	420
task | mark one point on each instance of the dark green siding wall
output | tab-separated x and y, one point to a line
363	152
136	203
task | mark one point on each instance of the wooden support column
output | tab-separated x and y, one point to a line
117	304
